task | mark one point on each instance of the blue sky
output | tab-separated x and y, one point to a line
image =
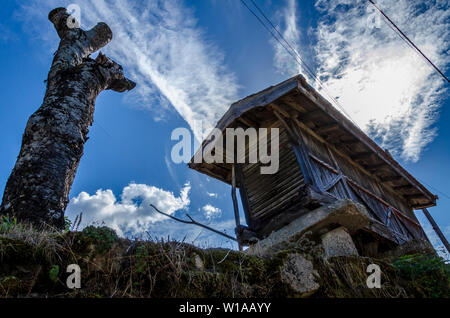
191	60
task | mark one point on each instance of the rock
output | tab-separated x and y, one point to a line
298	272
338	243
410	247
347	213
199	263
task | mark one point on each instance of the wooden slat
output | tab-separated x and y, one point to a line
275	185
266	201
390	178
287	163
272	182
375	166
327	128
263	181
413	196
276	204
403	187
362	155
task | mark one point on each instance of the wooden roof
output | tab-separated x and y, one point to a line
296	98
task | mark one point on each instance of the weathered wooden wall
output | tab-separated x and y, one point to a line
271	194
384	207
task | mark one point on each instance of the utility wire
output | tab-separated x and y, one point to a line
433	188
294	53
405	38
282	37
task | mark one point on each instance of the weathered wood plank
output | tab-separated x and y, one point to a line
390	178
274	197
235	203
362	155
327	128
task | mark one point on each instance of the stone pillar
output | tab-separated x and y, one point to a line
338	243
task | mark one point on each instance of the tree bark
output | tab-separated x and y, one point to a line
38	189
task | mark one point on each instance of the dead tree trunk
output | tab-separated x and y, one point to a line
38	189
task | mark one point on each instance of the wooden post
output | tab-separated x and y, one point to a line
235	204
388	217
436	229
314	177
303	167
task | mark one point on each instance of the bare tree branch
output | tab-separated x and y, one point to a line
192	221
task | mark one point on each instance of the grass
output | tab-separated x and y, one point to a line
33	263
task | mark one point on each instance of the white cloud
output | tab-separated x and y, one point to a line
212	195
288	27
211	211
132	214
159	43
387	89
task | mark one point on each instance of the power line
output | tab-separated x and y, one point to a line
294	53
282	37
435	189
405	38
265	26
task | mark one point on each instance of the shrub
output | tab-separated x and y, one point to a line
102	237
7	223
426	273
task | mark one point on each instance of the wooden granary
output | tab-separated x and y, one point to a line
323	157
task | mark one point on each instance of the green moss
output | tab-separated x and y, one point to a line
142	253
102	237
53	273
7	223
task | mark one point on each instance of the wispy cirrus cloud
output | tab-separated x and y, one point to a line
167	54
289	28
380	81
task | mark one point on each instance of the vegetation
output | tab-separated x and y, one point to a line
429	274
102	237
33	263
